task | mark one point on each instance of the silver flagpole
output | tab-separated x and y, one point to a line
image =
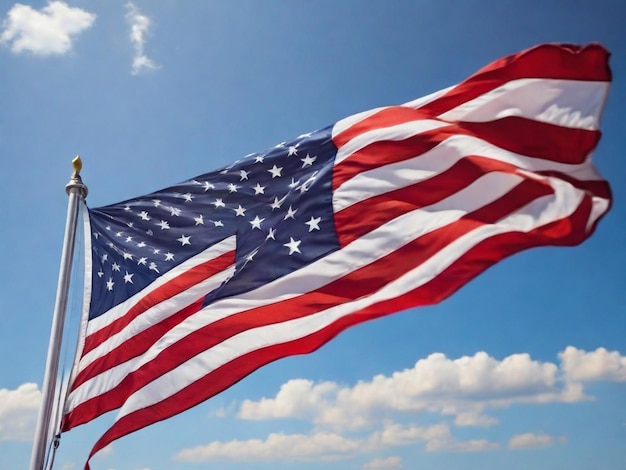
77	192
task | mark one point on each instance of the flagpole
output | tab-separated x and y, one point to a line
77	192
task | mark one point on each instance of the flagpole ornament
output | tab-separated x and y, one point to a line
76	182
44	432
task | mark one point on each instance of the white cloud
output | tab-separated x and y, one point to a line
461	387
581	366
530	441
319	446
139	27
390	463
327	446
18	412
44	32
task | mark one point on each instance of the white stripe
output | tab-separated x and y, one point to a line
420	102
87	277
214	251
157	314
405	173
567	103
346	123
398	132
365	250
540	212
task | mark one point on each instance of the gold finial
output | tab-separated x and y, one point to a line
77	163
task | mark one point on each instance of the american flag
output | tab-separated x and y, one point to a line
195	286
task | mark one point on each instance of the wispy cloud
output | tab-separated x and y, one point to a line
390	463
49	31
532	441
139	28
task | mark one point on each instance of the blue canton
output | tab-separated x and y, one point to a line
277	203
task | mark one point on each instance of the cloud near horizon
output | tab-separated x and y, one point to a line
18	412
45	32
356	420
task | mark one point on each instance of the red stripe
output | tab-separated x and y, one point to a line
468	266
179	284
386	117
360	218
354	285
518	135
550	61
536	139
135	346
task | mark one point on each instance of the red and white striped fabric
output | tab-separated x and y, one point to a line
425	196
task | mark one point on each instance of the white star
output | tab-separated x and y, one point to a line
141	244
96	235
142	261
208	186
275	171
314	223
291	213
169	256
156	251
256	223
144	215
251	255
100	273
127	208
293	150
127	255
164	225
294	183
175	211
129	239
218	203
243	175
184	240
293	246
271	234
199	220
153	267
115	267
307	161
130	224
258	189
187	197
239	212
118	234
156	202
128	278
259	159
277	203
233	188
218	223
110	284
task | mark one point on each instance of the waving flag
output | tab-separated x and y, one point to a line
193	287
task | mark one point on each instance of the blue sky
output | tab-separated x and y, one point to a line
152	93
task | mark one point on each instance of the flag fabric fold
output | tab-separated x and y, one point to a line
193	287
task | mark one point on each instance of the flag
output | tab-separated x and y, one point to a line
193	287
